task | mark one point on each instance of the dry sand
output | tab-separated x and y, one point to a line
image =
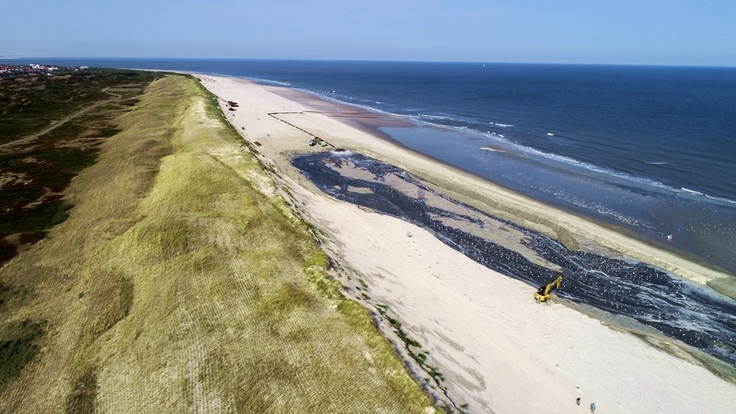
500	351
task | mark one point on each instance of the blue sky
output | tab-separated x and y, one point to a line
675	32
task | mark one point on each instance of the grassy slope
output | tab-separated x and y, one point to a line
183	284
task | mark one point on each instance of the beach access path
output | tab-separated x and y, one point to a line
498	349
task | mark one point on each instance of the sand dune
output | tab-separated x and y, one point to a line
498	349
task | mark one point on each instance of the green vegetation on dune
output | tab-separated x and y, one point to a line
29	104
182	282
34	173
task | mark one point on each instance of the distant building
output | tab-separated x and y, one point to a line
34	69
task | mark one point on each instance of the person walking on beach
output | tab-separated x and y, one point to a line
592	407
577	401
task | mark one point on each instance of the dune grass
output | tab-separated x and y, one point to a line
181	283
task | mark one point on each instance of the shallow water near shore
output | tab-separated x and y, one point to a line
705	230
677	308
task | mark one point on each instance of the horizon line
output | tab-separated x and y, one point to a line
17	57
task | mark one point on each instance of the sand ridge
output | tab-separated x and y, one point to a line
499	350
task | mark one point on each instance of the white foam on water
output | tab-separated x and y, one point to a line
268	82
687	190
437	117
721	199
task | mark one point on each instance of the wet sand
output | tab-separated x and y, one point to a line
498	350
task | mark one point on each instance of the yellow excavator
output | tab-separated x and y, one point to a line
542	294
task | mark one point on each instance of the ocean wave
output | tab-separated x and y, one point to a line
607	171
614	173
655	162
590	167
500	124
689	191
697	194
336	100
261	81
437	117
721	199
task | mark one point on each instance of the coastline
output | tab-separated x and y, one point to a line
482	329
469	188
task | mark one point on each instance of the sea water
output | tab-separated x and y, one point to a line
649	150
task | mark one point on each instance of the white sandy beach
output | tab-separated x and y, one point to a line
499	350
